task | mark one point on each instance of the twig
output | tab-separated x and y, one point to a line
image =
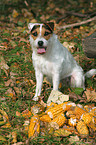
77	14
77	24
72	13
63	17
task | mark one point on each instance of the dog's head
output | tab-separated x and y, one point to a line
40	34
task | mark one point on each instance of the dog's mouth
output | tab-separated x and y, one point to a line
41	50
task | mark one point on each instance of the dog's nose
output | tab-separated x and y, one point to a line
40	43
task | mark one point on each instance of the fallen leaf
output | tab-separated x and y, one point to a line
13	75
42	103
18	113
15	13
4	114
2	123
62	132
69	46
91	95
7	125
3	48
26	13
77	91
26	125
73	139
10	93
69	128
17	90
14	136
13	44
2	138
24	40
9	82
3	64
32	82
33	21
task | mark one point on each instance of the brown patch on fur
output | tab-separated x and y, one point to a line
44	31
36	31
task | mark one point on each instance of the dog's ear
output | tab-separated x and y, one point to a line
50	26
30	26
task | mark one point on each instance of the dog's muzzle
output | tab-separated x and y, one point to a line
41	49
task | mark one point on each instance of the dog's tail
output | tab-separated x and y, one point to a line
90	73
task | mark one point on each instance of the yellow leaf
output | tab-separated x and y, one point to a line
14	136
2	122
7	125
4	114
17	82
15	13
2	138
62	132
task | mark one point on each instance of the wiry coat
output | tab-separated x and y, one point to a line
57	63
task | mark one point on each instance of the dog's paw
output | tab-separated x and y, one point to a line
35	98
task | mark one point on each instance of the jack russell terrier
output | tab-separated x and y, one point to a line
52	59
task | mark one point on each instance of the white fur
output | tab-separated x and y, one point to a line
57	63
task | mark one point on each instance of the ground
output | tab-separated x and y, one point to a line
17	76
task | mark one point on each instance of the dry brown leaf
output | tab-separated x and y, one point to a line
26	13
26	125
74	139
13	75
15	13
24	40
14	136
3	48
33	21
91	95
10	81
32	82
42	103
13	44
10	92
18	113
3	64
17	90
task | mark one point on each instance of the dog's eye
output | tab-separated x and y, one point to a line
34	34
46	33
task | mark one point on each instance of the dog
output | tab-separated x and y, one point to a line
52	59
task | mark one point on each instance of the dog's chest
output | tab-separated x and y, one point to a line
43	65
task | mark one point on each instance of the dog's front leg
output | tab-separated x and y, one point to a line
56	81
39	81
